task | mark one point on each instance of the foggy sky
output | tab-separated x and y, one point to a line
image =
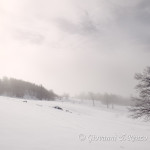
75	45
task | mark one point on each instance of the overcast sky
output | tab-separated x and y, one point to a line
75	45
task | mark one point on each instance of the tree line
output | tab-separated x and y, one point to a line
21	89
107	99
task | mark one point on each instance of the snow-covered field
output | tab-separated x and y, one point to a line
36	125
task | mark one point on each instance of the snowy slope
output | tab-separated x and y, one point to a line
36	125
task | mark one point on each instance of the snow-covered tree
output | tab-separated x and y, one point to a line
141	107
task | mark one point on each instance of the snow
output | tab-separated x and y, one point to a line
37	125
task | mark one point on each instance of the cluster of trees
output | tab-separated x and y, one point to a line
107	99
139	105
21	89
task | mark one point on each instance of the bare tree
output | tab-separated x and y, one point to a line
141	106
107	99
91	95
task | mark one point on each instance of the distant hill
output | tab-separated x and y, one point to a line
21	89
